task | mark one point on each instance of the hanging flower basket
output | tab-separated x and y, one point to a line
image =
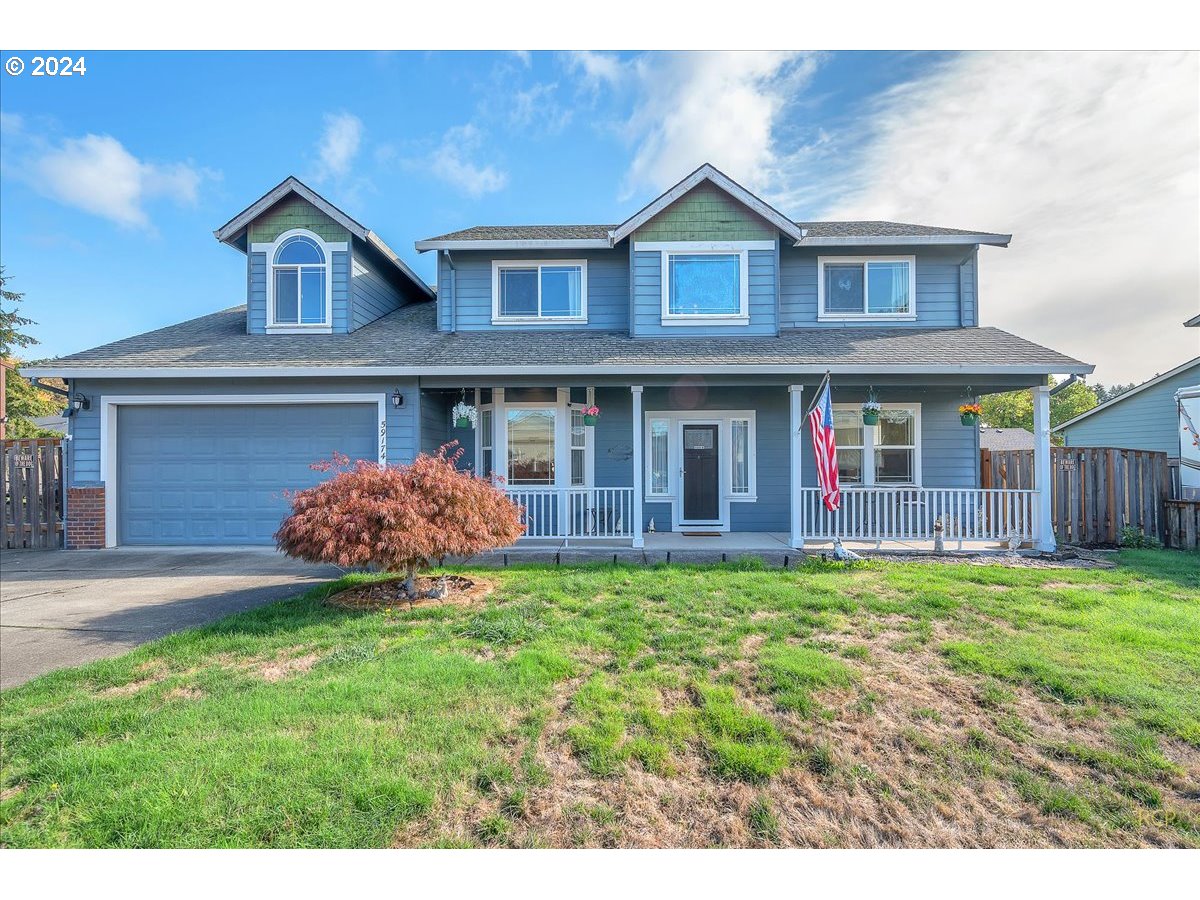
871	408
590	415
464	415
969	414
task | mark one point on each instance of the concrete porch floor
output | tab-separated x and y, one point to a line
772	547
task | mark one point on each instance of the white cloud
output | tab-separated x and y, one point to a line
339	144
691	108
97	174
1090	160
524	56
453	162
536	111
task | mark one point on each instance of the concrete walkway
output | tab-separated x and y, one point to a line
62	609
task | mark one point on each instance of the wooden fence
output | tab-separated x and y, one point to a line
33	493
1183	524
1096	491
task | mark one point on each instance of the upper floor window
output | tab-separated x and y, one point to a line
882	287
299	283
539	291
705	283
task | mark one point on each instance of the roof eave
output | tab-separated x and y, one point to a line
995	240
232	229
560	244
160	371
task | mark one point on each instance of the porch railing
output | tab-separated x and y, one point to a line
599	512
908	514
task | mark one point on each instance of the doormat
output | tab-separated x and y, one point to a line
701	533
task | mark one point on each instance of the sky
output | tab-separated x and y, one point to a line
112	181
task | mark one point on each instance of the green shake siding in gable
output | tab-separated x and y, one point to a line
295	212
706	213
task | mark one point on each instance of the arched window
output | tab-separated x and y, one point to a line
299	279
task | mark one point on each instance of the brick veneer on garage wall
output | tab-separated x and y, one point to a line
85	518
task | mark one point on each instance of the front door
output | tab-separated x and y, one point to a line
701	474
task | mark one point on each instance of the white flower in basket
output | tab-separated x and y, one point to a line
463	411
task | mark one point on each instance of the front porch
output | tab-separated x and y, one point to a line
693	464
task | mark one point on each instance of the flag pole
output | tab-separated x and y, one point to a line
817	394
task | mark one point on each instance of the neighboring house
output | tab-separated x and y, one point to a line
52	423
1005	439
1143	418
700	326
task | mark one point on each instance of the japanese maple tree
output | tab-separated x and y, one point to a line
397	518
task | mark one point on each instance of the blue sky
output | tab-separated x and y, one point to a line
112	183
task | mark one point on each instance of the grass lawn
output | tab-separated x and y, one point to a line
880	705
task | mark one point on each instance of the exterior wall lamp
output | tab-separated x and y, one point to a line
80	402
397	399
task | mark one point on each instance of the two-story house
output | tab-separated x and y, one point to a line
700	326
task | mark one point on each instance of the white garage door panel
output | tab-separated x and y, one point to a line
216	474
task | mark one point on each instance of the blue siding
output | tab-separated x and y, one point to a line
256	292
939	279
1149	420
83	463
437	428
371	295
647	299
607	289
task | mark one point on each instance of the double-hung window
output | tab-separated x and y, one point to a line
888	453
882	287
299	283
539	291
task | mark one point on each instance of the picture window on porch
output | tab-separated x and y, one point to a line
531	446
888	453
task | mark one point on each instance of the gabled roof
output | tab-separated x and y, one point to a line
818	234
217	345
234	230
712	174
1193	363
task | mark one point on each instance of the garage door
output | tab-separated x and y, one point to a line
216	474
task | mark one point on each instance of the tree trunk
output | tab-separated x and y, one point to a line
410	583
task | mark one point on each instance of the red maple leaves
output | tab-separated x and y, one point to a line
397	518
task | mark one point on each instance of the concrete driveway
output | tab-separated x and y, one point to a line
64	608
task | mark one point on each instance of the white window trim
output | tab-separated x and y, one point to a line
722	418
864	316
539	264
868	447
110	403
270	249
562	407
713	248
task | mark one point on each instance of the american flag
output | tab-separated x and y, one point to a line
820	420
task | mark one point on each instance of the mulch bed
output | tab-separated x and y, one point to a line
390	593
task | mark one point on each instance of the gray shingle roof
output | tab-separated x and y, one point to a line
529	233
1005	439
407	338
863	229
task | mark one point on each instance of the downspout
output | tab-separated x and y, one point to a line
1066	384
453	293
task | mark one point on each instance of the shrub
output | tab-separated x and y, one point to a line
1135	538
397	518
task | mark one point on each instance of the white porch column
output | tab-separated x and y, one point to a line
1042	475
500	437
795	430
638	441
